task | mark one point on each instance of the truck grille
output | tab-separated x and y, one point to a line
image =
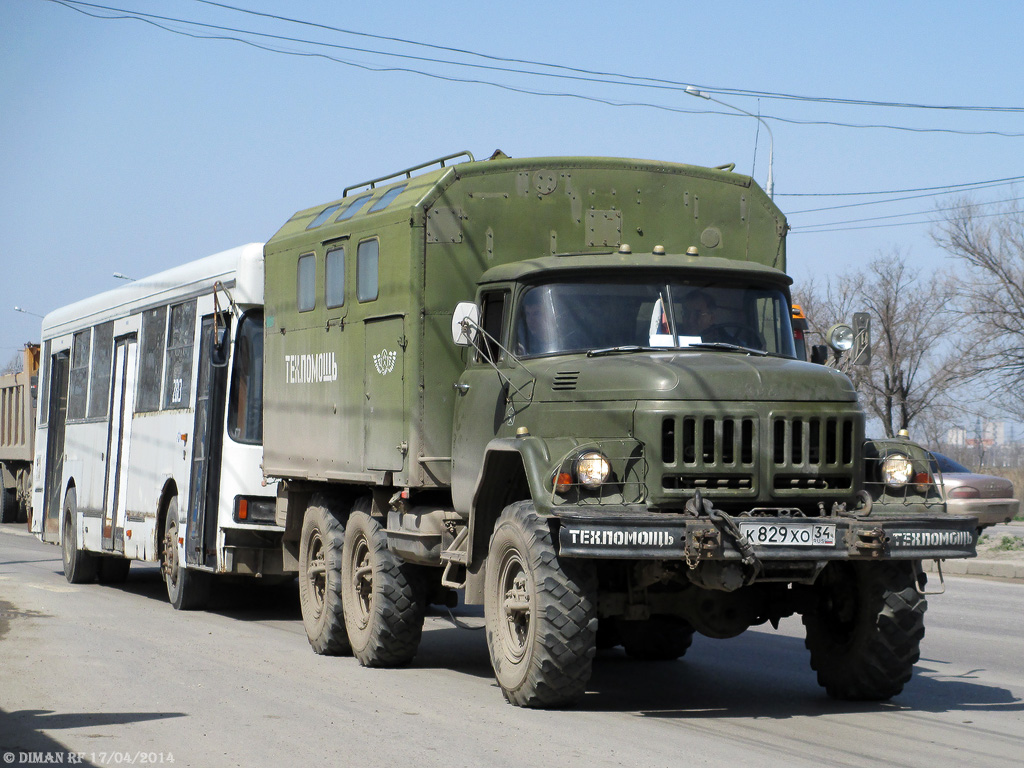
762	456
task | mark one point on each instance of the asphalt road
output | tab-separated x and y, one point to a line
116	674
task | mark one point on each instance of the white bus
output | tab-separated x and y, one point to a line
150	427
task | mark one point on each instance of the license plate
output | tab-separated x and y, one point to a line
790	534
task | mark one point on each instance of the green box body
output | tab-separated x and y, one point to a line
436	239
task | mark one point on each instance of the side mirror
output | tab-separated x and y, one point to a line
219	351
465	323
861	354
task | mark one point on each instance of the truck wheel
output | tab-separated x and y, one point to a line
8	502
659	638
187	589
540	613
320	545
79	565
864	633
384	597
112	570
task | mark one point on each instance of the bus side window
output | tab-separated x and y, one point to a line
181	336
245	411
79	386
102	360
151	364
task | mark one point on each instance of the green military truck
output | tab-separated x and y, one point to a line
569	388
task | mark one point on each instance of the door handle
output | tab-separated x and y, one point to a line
461	387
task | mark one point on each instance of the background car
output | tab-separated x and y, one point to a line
987	497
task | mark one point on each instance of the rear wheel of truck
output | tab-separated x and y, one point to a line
384	597
8	502
864	632
659	638
187	589
79	565
320	549
540	613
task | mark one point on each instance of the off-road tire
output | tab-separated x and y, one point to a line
384	597
79	565
540	613
320	547
112	570
659	638
865	631
187	589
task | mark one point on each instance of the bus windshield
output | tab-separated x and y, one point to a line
580	316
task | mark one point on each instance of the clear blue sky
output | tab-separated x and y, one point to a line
126	148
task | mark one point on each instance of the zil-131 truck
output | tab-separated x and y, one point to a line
568	388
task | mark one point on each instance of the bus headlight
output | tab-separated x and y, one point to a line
592	469
897	470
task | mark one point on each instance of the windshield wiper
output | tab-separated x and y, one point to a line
726	347
625	350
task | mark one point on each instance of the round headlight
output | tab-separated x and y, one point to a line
840	338
897	470
592	469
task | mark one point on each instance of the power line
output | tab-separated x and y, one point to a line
913	213
899	191
675	84
948	191
154	20
811	229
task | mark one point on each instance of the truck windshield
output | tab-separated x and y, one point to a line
579	316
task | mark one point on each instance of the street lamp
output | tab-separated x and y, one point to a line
119	276
26	312
770	186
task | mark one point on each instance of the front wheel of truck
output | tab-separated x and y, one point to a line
540	613
865	629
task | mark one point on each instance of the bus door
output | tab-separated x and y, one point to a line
207	442
57	416
119	435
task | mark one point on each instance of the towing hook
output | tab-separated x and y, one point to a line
751	563
698	505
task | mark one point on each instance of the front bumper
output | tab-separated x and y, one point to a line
644	536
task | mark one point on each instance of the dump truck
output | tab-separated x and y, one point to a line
567	389
17	437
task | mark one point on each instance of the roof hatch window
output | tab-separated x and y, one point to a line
325	214
353	209
387	198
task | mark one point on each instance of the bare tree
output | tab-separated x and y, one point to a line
913	369
989	242
15	365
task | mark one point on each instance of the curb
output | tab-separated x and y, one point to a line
996	569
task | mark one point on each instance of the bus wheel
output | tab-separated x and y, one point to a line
187	589
79	565
540	613
320	548
384	597
113	570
